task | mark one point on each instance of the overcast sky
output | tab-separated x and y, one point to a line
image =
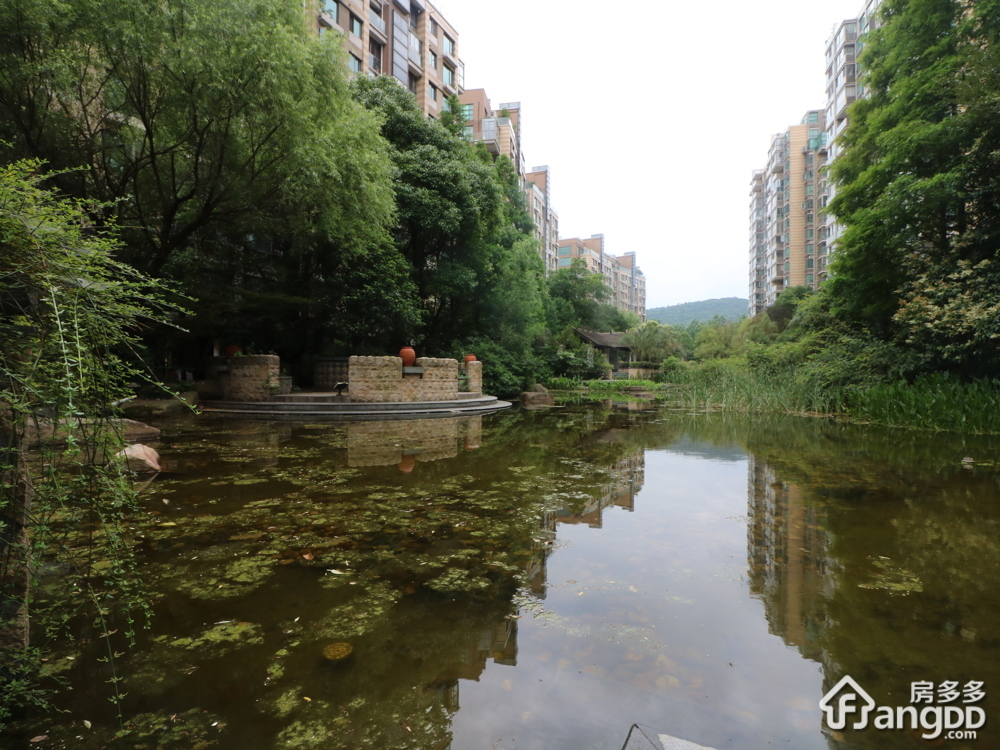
652	115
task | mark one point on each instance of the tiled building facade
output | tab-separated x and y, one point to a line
407	39
537	186
499	130
785	201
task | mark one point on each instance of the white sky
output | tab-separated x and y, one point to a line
652	115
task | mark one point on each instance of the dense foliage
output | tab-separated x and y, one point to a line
304	214
918	196
67	309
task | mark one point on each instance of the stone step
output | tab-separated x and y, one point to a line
333	398
412	410
328	404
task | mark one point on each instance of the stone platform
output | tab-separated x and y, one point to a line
330	407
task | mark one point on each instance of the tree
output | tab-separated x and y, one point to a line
66	311
192	124
462	226
783	309
949	304
579	298
904	193
653	342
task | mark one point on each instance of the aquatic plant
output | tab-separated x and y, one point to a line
67	311
932	402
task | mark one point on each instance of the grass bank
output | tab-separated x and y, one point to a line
931	402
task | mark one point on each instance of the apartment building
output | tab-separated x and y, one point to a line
785	202
792	240
537	189
498	130
407	39
843	86
622	273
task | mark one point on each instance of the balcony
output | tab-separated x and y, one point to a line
374	64
376	22
416	51
488	135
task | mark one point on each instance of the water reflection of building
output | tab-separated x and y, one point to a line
787	554
627	477
409	441
498	644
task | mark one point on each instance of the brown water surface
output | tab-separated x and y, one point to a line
543	580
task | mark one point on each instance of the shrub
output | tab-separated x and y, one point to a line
564	384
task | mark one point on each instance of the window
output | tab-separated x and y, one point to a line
809	262
809	248
434	27
467	112
356	25
434	61
809	234
332	9
448	76
565	262
449	45
354	63
434	93
809	278
813	117
565	251
413	81
809	218
788	266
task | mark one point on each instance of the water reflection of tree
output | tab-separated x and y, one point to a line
875	553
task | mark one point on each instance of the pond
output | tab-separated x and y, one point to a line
546	579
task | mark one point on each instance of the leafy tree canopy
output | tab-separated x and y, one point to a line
188	122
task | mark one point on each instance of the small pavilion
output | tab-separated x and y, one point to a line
608	343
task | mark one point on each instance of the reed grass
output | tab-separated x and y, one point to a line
933	402
939	401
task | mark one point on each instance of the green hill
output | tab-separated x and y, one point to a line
680	315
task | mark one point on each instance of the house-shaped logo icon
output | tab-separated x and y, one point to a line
845	698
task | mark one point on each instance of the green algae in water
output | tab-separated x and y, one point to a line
891	578
217	640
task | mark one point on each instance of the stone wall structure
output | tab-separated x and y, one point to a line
328	371
475	372
382	380
254	378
